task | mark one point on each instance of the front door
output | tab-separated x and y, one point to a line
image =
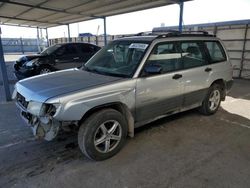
160	94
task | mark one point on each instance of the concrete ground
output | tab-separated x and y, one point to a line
185	150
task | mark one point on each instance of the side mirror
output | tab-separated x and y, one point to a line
153	69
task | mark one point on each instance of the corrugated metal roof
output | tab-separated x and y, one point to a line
49	13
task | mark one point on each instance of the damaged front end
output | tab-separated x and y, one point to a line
39	116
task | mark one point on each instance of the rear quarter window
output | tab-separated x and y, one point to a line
216	52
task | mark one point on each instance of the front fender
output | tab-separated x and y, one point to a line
79	103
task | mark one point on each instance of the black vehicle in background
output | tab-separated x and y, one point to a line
56	57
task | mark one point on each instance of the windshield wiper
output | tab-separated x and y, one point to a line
92	70
117	75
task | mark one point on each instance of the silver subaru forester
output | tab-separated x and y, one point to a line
128	83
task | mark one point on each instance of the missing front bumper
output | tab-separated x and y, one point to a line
42	128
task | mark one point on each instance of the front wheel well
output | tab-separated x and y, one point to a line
120	107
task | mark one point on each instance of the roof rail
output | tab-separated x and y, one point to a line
144	33
199	31
171	33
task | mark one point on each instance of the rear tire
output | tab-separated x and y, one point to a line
103	134
212	101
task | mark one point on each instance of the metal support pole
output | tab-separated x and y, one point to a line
41	33
181	15
41	37
243	52
4	72
38	41
96	40
105	31
47	37
21	44
68	33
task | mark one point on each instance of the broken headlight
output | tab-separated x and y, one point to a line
42	109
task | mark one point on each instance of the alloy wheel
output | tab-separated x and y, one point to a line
107	136
45	70
214	100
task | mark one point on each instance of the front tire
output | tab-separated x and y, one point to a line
103	134
212	101
45	69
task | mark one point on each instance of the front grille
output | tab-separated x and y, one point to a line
21	101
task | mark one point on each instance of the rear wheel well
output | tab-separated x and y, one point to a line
223	87
120	107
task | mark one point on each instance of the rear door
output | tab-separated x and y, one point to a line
160	94
220	66
195	74
67	57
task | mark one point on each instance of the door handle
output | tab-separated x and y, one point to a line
75	58
208	69
177	76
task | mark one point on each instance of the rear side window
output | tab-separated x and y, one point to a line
166	56
192	54
215	51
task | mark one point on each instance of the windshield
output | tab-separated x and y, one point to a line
119	58
50	49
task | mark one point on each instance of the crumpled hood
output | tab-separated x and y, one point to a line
27	58
41	88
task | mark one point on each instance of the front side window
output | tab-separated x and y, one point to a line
192	54
51	49
166	56
119	58
215	51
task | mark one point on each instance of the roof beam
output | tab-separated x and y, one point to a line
30	20
95	15
40	7
90	9
30	9
100	10
126	9
18	25
81	4
26	10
